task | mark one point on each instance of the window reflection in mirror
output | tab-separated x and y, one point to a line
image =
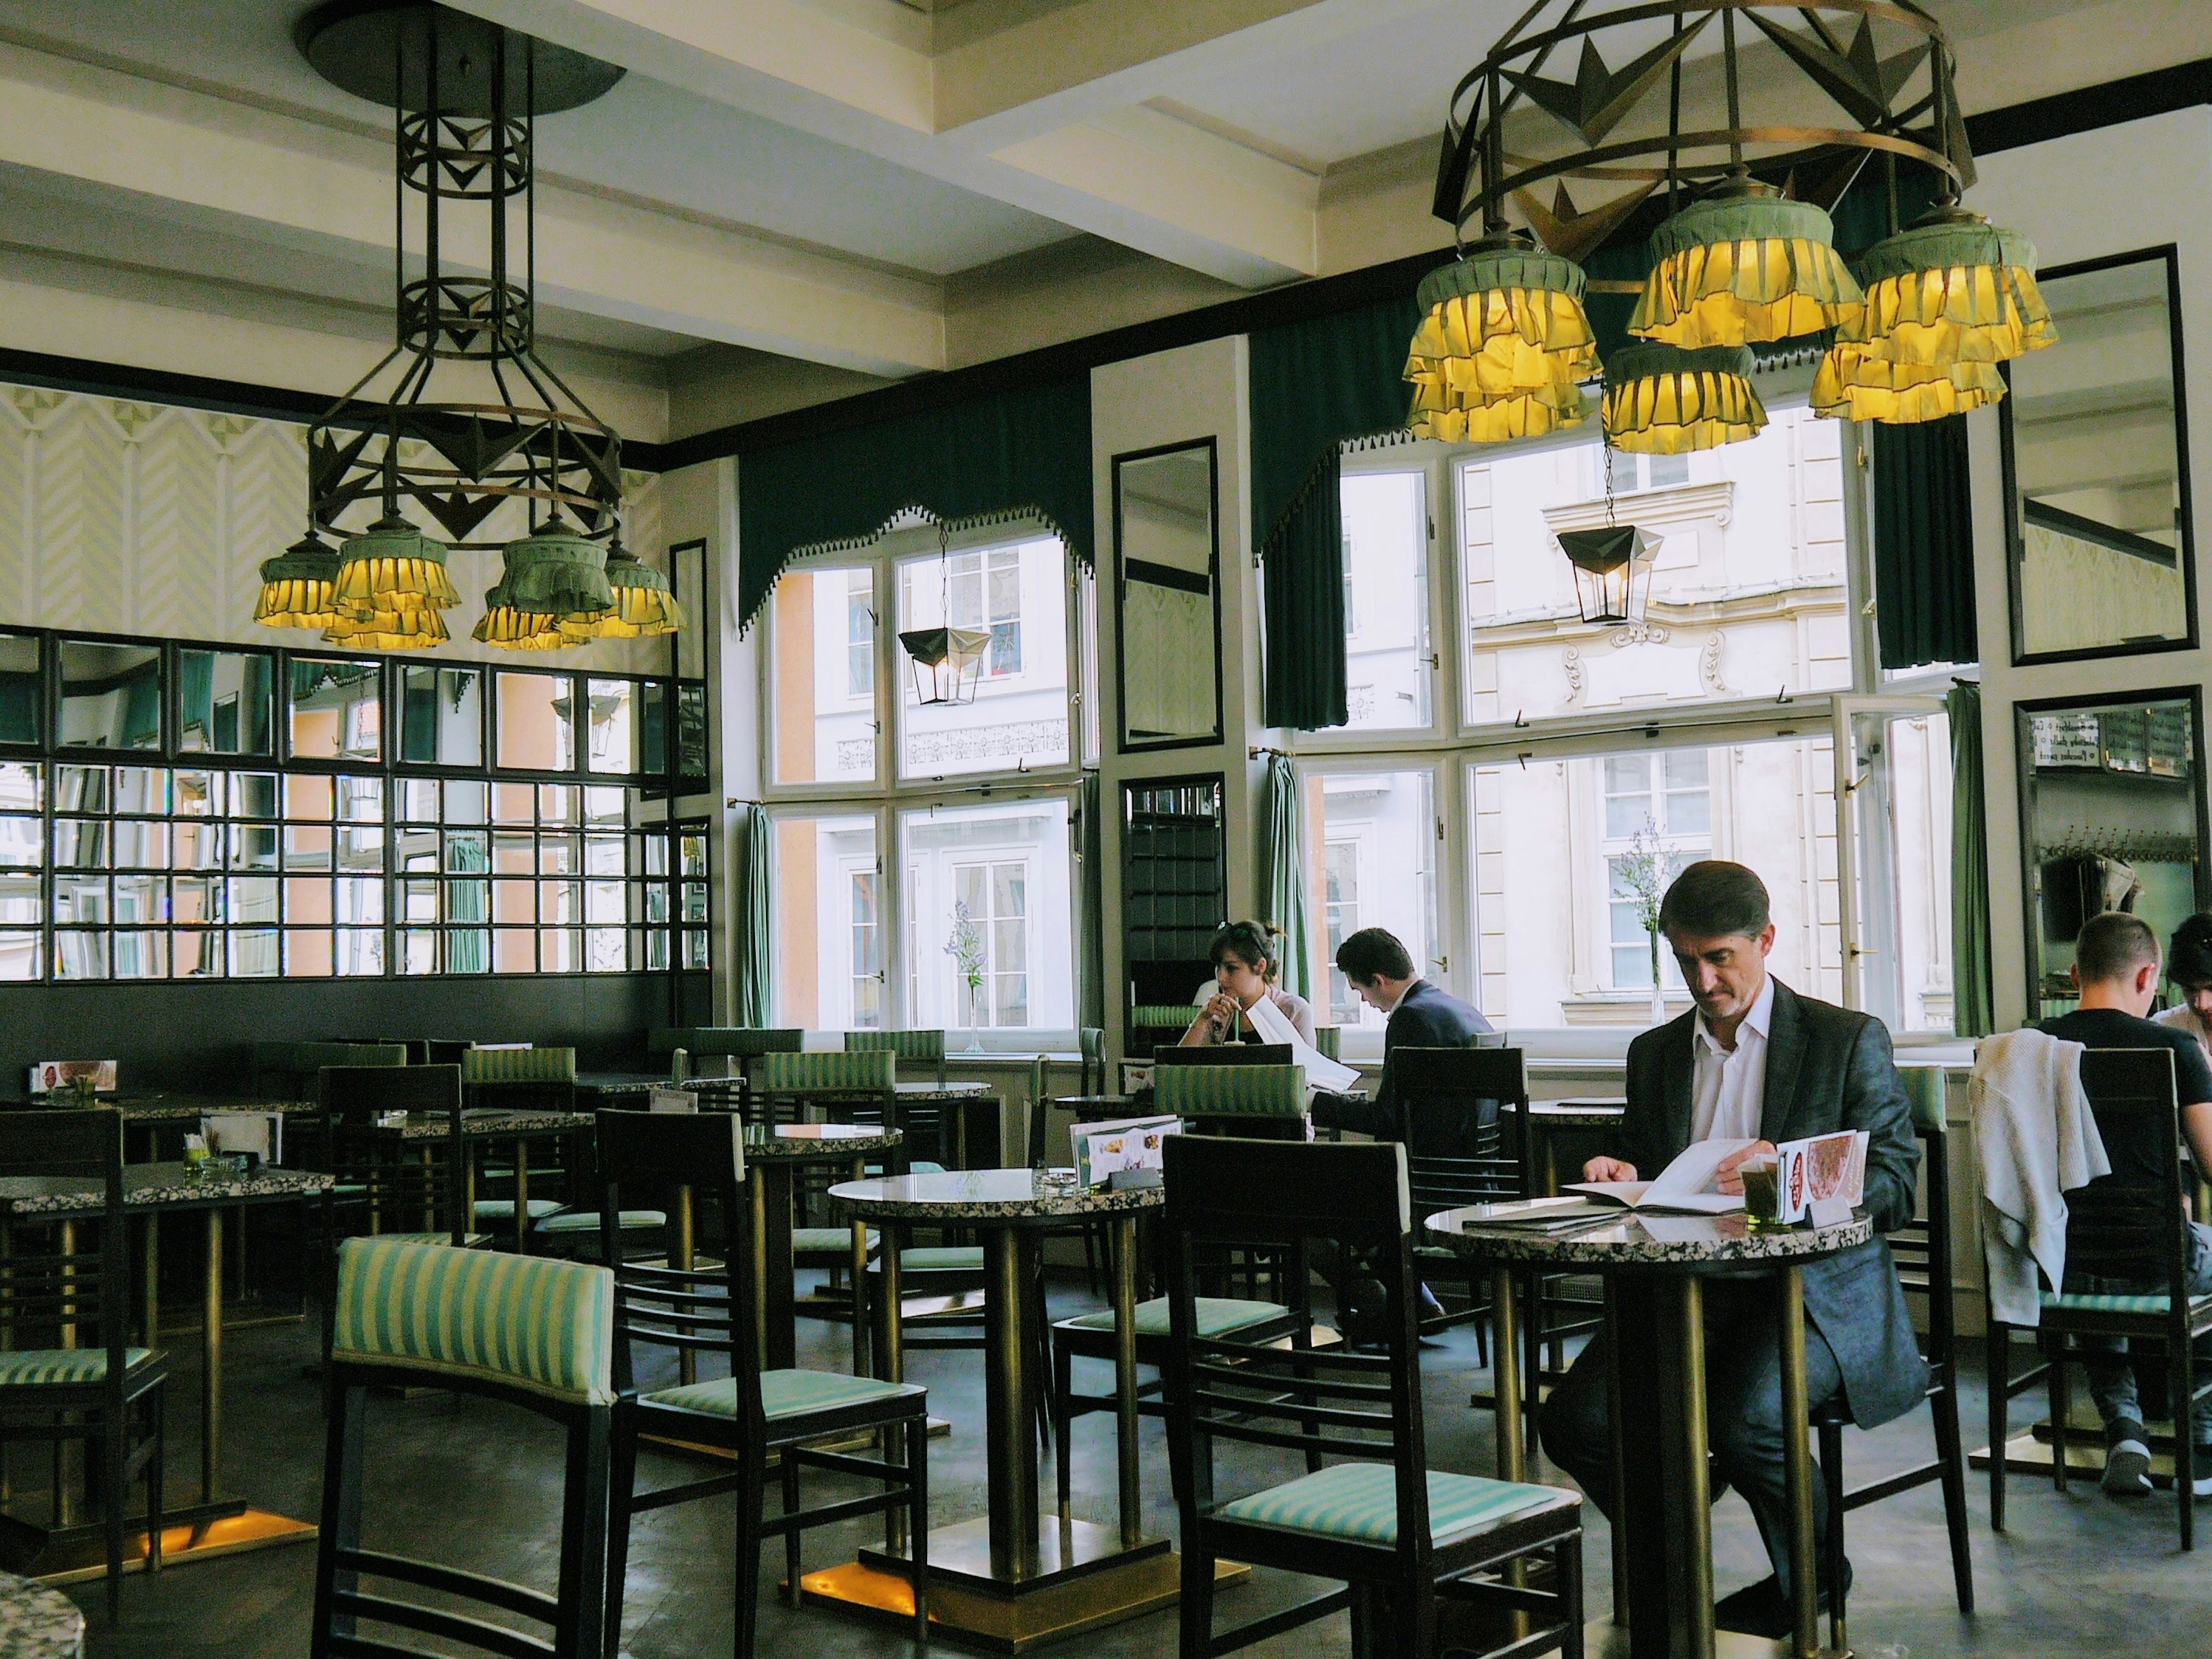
2102	540
615	734
537	722
337	709
2113	815
111	695
22	699
1166	548
442	716
225	702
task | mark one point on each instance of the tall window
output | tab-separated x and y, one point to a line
1386	608
828	945
1371	862
866	947
994	907
991	942
823	665
1658	818
1019	717
860	635
986	592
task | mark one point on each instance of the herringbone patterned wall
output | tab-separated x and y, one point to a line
133	518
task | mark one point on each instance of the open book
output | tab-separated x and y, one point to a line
1685	1184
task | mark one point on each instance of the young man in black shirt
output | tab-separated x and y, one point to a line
2116	970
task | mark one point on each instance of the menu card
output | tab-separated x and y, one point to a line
1129	1143
1822	1178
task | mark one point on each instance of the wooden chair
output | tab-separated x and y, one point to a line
1455	1156
287	1071
928	1123
384	1187
1216	1098
751	1413
1092	1230
1921	1249
1398	1535
2125	1233
529	1332
104	1392
740	1043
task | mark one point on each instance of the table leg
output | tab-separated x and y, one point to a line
1505	1372
149	1288
521	1197
211	1362
1124	1377
1010	1271
66	1451
687	1362
779	1315
1797	1469
1689	1531
1615	1381
860	1172
892	1351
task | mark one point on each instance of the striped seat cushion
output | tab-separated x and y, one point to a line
1215	1315
1229	1090
518	1065
828	1241
1359	1501
857	1072
542	1325
906	1045
475	1240
2083	1302
942	1258
785	1394
29	1368
587	1221
502	1209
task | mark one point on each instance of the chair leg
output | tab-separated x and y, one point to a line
1063	1384
1950	1452
1567	1579
341	1528
622	1481
917	1524
2185	1443
581	1612
750	1496
1998	1345
157	1415
1832	1476
790	1538
2061	1410
1196	1613
114	1455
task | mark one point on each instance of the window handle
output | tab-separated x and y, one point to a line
1443	963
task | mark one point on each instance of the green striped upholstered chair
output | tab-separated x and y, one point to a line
2127	1268
1368	1512
709	1314
741	1044
97	1390
928	1124
287	1071
918	1047
1263	1101
482	1068
533	1334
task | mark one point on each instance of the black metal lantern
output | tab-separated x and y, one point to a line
1613	571
948	662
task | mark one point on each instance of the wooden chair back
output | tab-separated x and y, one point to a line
2117	1230
56	1296
404	1190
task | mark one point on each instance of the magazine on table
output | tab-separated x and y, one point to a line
1821	1178
1686	1184
1129	1143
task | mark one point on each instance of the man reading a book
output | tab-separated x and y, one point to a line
1754	1060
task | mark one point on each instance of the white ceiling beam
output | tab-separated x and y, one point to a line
198	160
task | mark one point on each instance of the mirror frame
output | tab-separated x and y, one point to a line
2024	714
1127	746
2016	548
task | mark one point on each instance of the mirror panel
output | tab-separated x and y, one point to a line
226	702
111	695
441	714
337	709
1167	558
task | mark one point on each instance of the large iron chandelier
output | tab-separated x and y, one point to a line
1913	334
462	415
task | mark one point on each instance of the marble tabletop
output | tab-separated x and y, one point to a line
944	1092
1596	1112
1010	1197
488	1122
161	1108
37	1623
157	1187
804	1141
1643	1241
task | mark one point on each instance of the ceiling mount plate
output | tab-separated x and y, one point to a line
380	50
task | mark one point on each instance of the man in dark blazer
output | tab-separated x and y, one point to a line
1421	1016
1754	1060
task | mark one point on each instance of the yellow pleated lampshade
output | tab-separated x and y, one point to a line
1663	401
296	586
1852	385
1501	345
392	560
1952	288
395	624
1744	264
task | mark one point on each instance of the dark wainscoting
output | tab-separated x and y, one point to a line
192	1036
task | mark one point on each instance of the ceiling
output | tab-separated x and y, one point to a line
839	183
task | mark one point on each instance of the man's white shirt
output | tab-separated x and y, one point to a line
1727	1087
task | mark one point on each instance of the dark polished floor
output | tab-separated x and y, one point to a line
467	1482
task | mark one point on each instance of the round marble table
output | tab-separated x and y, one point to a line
37	1623
1654	1267
1003	1568
1546	1119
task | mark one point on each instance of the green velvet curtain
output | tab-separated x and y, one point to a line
468	950
1972	1012
1314	387
1090	916
1000	457
1284	895
756	940
1924	544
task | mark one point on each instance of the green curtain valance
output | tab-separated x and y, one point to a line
1010	455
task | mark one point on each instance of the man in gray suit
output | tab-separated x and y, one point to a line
1756	1060
1419	1015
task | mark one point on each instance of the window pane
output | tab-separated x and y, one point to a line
1387	622
1377	835
537	722
1019	715
615	733
193	955
442	716
823	640
22	700
1746	588
2102	542
197	794
1901	829
226	702
143	790
987	941
111	695
337	709
1546	963
829	965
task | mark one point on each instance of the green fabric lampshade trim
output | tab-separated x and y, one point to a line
298	587
1661	401
641	603
1746	264
392	559
1951	289
557	572
1500	265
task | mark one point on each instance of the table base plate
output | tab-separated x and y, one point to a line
195	1532
960	1554
1108	1593
1603	1639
